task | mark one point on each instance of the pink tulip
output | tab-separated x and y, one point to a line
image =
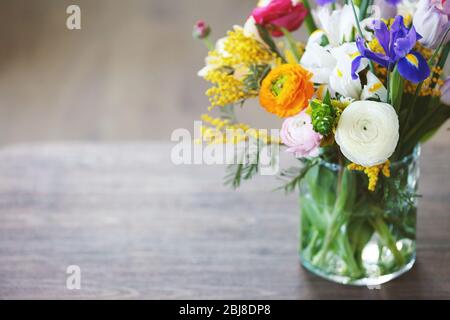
298	135
279	14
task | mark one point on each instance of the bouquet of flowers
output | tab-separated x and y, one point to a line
356	101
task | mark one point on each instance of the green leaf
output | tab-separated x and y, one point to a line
265	36
396	89
294	175
327	98
257	73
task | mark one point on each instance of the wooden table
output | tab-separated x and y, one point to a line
142	228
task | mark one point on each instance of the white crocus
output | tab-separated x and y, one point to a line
319	61
318	36
367	132
374	88
251	31
341	79
339	24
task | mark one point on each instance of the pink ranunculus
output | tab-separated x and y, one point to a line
298	135
288	14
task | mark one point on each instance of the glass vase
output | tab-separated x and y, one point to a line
351	235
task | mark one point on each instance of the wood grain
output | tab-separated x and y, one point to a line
142	228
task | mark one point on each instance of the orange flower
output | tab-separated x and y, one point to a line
286	90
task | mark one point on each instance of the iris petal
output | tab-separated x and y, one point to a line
382	34
414	67
403	46
355	66
376	57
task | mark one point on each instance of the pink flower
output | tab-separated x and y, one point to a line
288	14
298	134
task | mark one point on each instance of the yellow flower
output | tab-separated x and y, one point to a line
286	90
220	131
228	65
372	172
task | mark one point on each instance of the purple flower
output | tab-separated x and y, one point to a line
324	2
393	2
397	43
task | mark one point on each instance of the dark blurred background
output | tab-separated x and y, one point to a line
129	74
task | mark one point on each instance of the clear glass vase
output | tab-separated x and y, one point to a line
351	235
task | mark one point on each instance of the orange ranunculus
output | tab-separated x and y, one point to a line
286	90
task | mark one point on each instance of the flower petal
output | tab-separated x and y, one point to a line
413	67
403	46
382	34
355	66
376	57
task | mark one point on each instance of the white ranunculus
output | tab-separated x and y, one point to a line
367	132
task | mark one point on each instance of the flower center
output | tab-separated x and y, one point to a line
277	85
365	131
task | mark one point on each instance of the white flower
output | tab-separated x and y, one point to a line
338	24
374	88
332	66
318	36
340	79
367	132
251	31
319	61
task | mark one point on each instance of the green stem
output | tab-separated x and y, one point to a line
353	267
372	69
388	239
291	43
333	225
363	9
307	252
208	43
388	84
309	20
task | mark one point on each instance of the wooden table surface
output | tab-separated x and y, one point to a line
142	228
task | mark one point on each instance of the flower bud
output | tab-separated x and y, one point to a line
431	20
323	117
201	30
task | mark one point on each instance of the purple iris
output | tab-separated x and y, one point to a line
324	2
397	43
393	2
